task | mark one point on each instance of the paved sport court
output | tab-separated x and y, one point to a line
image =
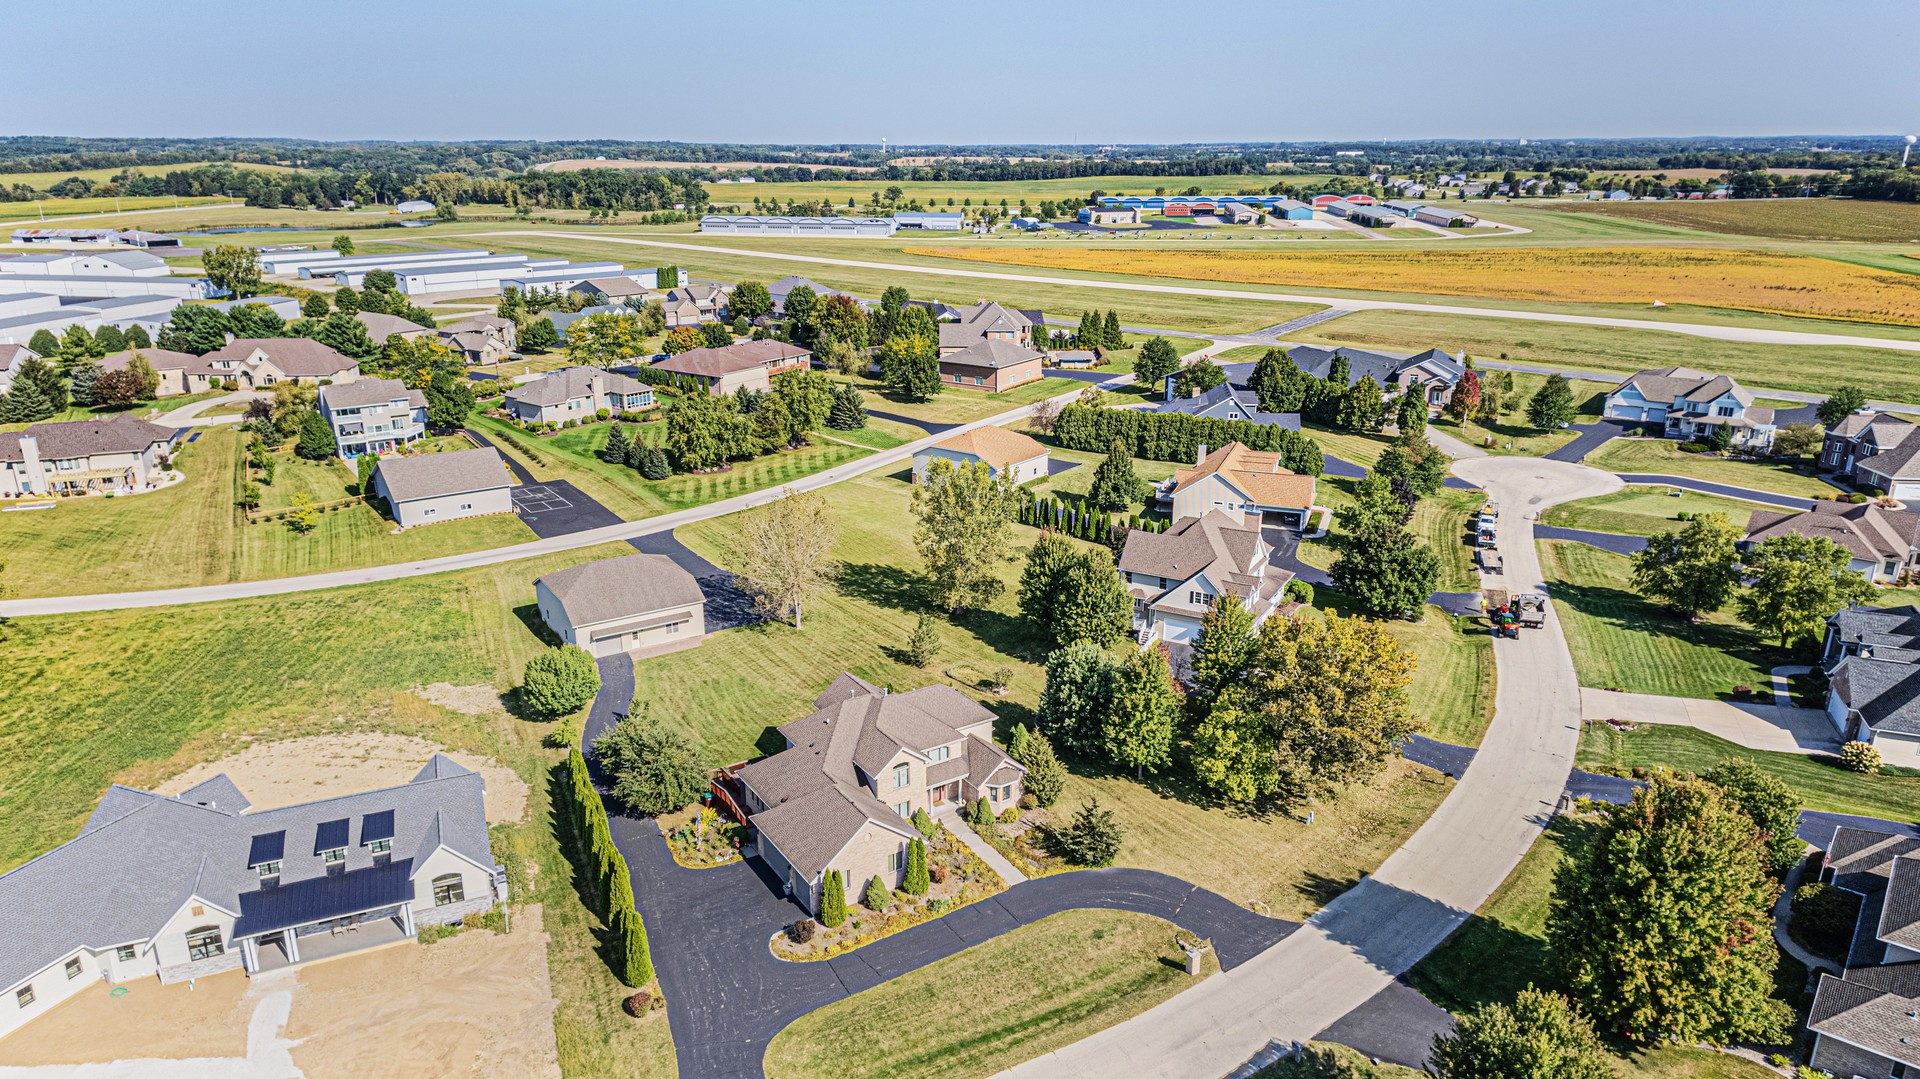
558	508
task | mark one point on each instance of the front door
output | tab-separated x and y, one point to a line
939	796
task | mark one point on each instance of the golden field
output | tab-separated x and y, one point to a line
1741	280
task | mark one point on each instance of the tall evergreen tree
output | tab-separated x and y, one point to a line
1278	384
636	961
1139	730
849	411
833	900
137	338
1110	335
52	388
24	403
1412	415
1115	486
916	881
618	444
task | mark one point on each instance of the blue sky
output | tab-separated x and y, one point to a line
981	71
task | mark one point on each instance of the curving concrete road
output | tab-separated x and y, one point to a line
1719	333
190	415
1356	946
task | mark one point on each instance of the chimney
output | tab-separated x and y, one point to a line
1169	388
36	475
1200	454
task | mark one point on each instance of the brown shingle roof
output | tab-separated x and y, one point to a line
1255	472
159	359
739	356
993	353
1867	531
298	356
996	446
84	438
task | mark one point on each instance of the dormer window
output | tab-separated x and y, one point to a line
380	846
270	870
333	855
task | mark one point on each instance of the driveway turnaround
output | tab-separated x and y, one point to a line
1748	494
190	415
728	605
1357	945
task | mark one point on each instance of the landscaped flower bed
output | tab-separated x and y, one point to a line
699	839
1022	841
958	877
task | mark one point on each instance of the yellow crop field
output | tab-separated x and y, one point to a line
1742	280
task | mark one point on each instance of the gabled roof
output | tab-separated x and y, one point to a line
1885	692
143	855
739	356
432	475
1668	385
1383	367
1254	473
84	438
623	587
979	320
614	286
1227	550
381	326
11	354
1867	531
159	359
1890	632
1246	400
298	356
997	446
566	384
362	392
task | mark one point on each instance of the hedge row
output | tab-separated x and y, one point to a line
1084	523
1176	436
613	884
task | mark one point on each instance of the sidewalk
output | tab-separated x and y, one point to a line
1766	727
994	859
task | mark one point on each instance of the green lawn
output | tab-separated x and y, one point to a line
1621	640
739	685
1511	434
1075	482
1441	522
1614	350
1009	1000
1661	456
1360	449
145	410
1643	511
572	455
1503	949
1820	783
1121	360
90	699
960	404
880	434
192	533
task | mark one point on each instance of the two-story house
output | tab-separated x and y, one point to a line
743	365
11	357
691	305
1224	402
183	886
121	455
1241	482
1432	373
483	339
1872	659
1173	576
838	797
1688	404
1864	1021
985	321
1875	449
577	393
254	362
373	415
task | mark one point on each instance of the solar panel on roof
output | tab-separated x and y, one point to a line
376	826
267	847
330	835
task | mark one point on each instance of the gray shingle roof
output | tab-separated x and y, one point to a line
84	438
566	384
362	392
1382	367
142	855
992	352
381	326
1885	692
1249	406
623	587
431	475
299	356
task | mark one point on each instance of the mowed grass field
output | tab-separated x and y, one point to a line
1893	375
1661	456
193	533
91	699
1820	782
1764	281
25	213
1016	997
1621	640
47	179
1780	219
738	686
1643	511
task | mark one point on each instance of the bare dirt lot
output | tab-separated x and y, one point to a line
299	770
476	1004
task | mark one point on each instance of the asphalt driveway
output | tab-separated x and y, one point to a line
550	507
728	604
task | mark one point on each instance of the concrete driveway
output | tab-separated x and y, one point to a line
191	415
1766	727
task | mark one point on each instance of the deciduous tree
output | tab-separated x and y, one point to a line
559	681
1694	569
1662	922
604	340
965	516
1845	400
236	269
1385	569
1198	377
1796	440
656	767
788	555
750	300
1156	361
1773	807
1146	702
1539	1036
1796	583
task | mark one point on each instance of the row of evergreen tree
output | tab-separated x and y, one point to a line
612	881
1084	523
1177	436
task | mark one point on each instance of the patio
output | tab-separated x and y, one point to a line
330	944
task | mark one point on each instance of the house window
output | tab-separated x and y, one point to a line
448	889
73	968
466	505
993	793
904	809
334	856
429	513
902	774
204	943
269	870
900	860
937	754
380	846
23	996
1724	410
126	953
1198	599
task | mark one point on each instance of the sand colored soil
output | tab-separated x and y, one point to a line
325	766
150	1020
475	1004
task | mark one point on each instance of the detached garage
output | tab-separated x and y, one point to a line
437	487
643	604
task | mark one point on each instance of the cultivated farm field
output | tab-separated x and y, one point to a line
1780	219
1761	281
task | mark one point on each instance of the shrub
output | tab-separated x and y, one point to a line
1741	693
923	823
876	897
1824	916
1856	498
639	1004
939	874
939	906
1028	801
559	681
917	880
833	901
571	424
656	768
636	963
979	814
602	414
801	931
1009	814
1300	591
1693	447
1860	757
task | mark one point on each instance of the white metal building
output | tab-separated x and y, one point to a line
797	226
